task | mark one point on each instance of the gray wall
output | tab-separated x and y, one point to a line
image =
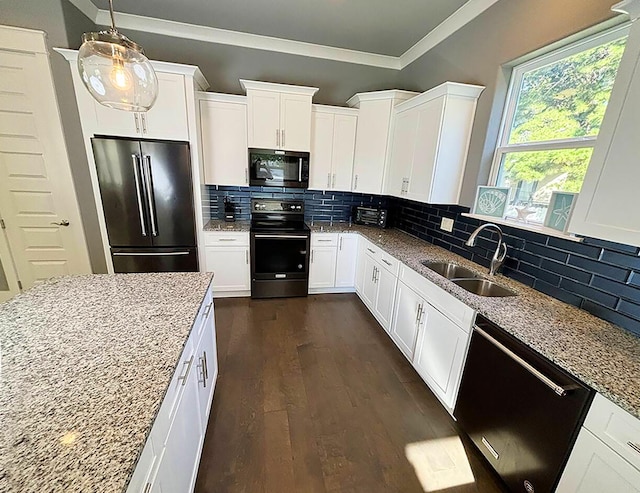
506	31
64	25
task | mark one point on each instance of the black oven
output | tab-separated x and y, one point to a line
272	168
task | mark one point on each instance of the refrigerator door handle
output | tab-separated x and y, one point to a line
150	199
148	254
136	176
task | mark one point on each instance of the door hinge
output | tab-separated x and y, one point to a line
20	285
2	225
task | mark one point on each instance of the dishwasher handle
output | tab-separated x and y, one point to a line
561	390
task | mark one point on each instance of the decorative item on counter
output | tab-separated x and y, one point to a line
491	201
560	210
523	213
229	210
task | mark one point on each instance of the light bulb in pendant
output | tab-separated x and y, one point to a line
119	76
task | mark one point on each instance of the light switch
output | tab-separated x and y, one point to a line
447	224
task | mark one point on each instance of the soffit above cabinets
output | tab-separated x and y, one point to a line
368	32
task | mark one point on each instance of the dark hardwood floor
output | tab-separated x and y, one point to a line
313	396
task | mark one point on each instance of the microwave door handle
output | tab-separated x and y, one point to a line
299	169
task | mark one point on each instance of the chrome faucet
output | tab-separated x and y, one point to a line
501	250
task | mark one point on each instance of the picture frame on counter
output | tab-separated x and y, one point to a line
491	201
560	209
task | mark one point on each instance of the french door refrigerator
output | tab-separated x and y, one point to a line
147	198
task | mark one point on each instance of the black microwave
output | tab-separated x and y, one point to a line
371	217
273	168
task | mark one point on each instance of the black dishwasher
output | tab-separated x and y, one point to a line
521	411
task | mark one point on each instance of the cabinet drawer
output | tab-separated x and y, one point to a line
142	475
448	304
205	309
372	250
324	239
615	427
389	263
226	239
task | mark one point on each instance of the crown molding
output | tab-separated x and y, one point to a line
396	95
446	28
277	87
455	89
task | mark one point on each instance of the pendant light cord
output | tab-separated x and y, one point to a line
113	19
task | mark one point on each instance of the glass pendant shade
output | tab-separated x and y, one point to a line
115	71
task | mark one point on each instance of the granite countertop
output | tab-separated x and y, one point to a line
86	362
601	354
220	225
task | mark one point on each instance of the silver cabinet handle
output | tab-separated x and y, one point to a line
136	176
634	446
148	178
340	247
147	488
207	310
373	274
377	275
372	251
283	137
144	123
206	365
64	223
561	390
135	119
333	183
183	378
277	138
323	240
312	255
355	186
246	256
328	180
386	262
202	372
246	175
227	239
418	314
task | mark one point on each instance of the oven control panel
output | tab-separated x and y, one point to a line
269	205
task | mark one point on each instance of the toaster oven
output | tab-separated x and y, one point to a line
370	216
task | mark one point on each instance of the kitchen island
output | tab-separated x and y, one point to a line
86	363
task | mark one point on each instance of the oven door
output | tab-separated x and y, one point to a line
278	168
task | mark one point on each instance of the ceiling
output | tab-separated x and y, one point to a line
373	26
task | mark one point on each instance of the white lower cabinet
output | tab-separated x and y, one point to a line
227	256
346	261
322	267
385	293
170	458
332	262
407	318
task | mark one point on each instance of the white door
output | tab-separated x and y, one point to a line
8	278
263	119
167	118
386	290
402	150
295	122
439	354
37	195
347	261
595	468
344	142
223	130
231	268
369	286
322	267
321	150
206	367
426	149
406	319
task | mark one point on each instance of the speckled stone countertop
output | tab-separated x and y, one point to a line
86	361
601	354
235	226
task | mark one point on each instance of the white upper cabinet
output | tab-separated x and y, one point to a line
333	135
372	136
430	139
279	115
223	137
606	205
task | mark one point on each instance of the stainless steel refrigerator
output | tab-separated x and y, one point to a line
147	198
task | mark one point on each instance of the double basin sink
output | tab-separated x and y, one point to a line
469	280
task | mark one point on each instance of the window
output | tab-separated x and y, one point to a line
554	110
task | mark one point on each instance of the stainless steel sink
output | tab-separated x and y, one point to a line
482	287
450	270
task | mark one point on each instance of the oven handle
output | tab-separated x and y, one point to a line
299	163
296	237
561	390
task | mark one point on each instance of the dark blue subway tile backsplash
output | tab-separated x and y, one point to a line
598	276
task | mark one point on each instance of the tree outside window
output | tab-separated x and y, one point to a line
553	115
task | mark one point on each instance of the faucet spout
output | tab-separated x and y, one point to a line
501	250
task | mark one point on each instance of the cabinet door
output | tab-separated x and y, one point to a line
404	328
369	286
595	468
371	146
179	465
321	151
402	151
206	362
231	268
361	265
344	141
295	122
385	293
346	263
322	267
223	130
439	354
113	122
425	150
167	118
263	119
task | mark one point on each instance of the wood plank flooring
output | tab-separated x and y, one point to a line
313	396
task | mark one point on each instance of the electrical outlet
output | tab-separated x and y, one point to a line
446	224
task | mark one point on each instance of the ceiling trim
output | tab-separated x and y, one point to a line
450	25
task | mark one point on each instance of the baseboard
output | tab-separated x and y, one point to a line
231	294
331	290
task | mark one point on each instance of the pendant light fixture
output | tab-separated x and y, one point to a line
115	70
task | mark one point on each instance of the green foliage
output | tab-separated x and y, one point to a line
565	99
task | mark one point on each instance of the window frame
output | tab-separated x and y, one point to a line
513	92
